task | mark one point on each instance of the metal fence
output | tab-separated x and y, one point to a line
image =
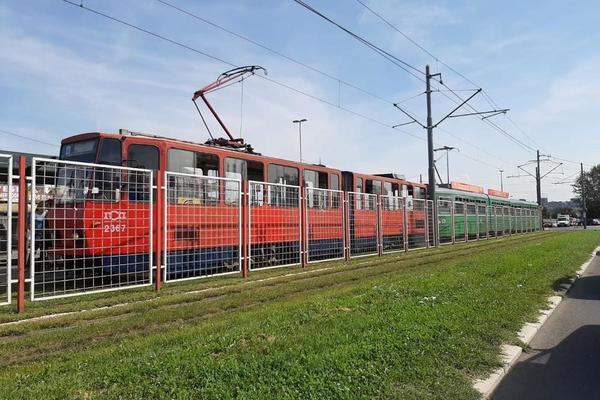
393	224
324	224
91	228
483	227
6	227
460	226
416	217
431	234
445	231
362	217
202	226
274	225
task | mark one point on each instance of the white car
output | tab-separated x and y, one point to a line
563	222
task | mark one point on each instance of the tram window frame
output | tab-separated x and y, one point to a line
108	182
334	185
358	197
281	175
101	153
316	180
177	160
251	170
208	189
154	165
277	173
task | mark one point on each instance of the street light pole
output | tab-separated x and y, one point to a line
299	122
501	181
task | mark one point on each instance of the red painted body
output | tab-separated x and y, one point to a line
206	226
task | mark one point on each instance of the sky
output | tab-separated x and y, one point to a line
65	70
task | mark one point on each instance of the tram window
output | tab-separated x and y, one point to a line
390	190
387	189
107	181
285	175
373	187
189	190
316	180
358	198
334	184
419	193
84	151
244	170
280	196
141	156
110	152
255	171
235	168
207	163
180	161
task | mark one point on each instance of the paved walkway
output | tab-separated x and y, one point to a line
564	360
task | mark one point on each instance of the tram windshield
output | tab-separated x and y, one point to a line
83	151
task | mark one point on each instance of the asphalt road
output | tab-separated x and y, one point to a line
572	228
564	359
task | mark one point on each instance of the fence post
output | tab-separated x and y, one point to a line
22	234
379	227
158	228
453	225
346	218
466	214
303	227
245	227
404	225
426	212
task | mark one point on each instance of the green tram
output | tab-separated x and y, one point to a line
464	215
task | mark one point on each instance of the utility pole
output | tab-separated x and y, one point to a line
583	206
430	171
501	181
538	180
430	126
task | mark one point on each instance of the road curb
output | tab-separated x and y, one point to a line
510	353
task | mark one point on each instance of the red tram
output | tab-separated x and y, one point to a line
83	232
108	221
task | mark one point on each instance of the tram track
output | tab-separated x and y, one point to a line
72	334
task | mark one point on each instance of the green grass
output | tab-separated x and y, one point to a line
412	326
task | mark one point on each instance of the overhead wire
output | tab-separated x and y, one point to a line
438	60
274	51
410	69
10	133
275	82
221	60
404	66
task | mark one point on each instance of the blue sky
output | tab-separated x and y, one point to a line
65	71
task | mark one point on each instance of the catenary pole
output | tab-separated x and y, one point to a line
583	206
431	171
538	180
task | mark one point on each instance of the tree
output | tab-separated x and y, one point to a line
591	183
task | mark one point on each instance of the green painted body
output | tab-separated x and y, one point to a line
499	217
